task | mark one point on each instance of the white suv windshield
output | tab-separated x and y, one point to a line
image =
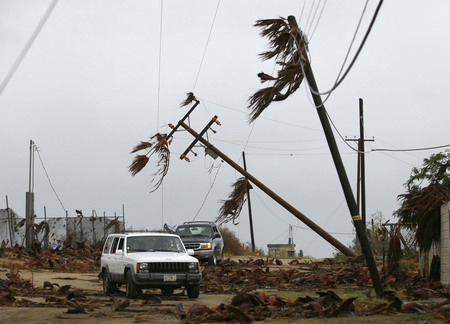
154	244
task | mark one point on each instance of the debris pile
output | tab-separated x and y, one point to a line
77	257
231	275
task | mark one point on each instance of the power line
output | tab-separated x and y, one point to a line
261	117
159	64
309	15
318	20
207	194
28	45
314	17
338	82
48	178
411	149
301	13
206	47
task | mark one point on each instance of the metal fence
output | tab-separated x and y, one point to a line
54	231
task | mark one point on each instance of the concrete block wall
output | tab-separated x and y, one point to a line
445	244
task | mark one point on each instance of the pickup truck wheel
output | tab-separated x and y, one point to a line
212	261
109	286
193	291
132	290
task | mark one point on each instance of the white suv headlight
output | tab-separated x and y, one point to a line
205	245
142	267
194	267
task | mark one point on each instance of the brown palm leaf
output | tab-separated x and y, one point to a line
189	99
286	44
421	207
260	100
161	149
139	162
159	146
141	146
394	251
231	208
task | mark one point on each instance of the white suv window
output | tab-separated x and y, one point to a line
120	246
154	244
107	245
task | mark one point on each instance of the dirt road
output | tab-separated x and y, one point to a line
98	306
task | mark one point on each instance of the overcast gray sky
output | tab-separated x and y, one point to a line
87	92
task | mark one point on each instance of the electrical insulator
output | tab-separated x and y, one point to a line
184	157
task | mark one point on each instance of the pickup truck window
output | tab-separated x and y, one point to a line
154	244
198	230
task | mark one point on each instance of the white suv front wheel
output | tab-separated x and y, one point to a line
109	286
132	290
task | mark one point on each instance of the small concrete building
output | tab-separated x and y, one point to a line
281	250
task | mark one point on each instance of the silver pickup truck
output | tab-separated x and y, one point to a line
149	260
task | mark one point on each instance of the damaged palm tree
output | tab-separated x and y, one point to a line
288	45
158	145
232	207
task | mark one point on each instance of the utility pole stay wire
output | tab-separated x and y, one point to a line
28	45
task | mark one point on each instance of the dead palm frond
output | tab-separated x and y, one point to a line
231	208
158	145
286	44
139	162
189	99
394	251
422	209
141	146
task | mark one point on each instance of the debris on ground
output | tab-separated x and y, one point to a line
249	282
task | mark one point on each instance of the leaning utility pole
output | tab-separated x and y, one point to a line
208	146
342	174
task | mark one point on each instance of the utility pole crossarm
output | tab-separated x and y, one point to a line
175	128
208	126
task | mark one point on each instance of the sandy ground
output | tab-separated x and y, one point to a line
101	311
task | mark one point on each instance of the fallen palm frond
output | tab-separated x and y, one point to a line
141	146
189	99
287	44
158	145
422	209
231	208
394	251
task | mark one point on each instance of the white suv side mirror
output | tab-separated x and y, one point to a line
190	252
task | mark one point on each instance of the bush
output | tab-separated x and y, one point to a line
233	246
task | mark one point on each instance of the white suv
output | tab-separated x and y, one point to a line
149	260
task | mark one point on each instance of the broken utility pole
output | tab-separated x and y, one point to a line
330	239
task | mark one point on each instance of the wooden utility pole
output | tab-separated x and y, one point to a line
29	201
361	173
250	218
342	174
338	245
